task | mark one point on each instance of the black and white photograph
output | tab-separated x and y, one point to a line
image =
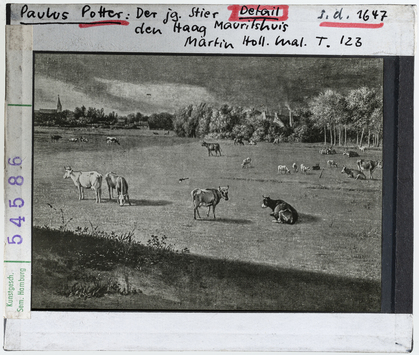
207	182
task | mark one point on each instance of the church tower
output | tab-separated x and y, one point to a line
59	106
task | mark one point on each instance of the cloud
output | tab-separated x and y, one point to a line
47	89
161	96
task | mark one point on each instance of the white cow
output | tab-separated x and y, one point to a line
110	179
332	163
112	140
85	180
283	169
246	162
304	169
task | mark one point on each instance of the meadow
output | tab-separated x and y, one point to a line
338	234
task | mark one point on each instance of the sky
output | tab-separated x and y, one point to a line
165	83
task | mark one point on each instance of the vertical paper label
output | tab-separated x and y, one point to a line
18	173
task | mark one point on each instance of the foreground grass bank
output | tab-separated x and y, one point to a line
86	269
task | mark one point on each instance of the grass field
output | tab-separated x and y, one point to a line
338	233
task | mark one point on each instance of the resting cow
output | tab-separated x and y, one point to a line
55	138
282	211
353	173
85	180
208	198
351	154
332	163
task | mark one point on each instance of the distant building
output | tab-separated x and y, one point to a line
50	111
49	116
59	106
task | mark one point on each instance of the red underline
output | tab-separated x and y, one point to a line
104	23
351	25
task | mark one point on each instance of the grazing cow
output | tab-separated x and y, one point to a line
55	138
238	140
367	165
208	198
85	180
282	211
156	133
277	141
83	140
110	140
247	163
331	163
362	149
304	169
110	179
212	147
295	167
351	154
316	167
353	173
283	169
252	142
73	140
122	190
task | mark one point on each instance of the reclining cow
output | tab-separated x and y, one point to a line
351	154
208	198
332	164
55	138
353	173
112	140
282	211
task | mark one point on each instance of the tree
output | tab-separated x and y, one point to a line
327	109
79	112
361	104
161	121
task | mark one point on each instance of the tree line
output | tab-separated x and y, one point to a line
331	117
82	116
